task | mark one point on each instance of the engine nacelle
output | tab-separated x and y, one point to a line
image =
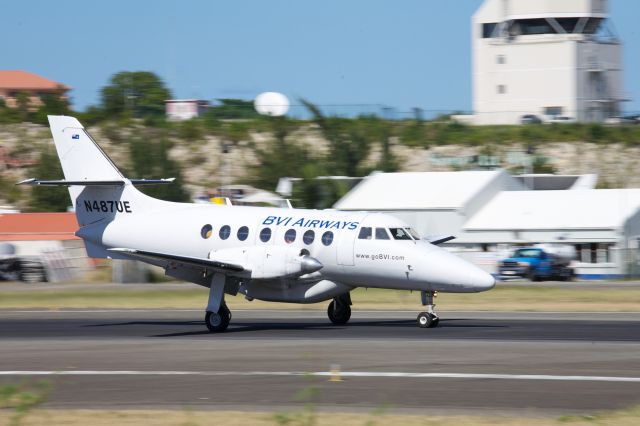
269	262
293	291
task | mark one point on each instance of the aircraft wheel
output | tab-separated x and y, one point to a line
427	320
340	315
218	321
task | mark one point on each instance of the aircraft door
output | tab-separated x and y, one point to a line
345	250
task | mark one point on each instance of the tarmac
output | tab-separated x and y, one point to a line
474	362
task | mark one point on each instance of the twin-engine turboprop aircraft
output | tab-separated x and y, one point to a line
280	255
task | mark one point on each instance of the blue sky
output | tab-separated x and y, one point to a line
402	53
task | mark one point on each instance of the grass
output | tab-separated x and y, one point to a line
502	298
629	417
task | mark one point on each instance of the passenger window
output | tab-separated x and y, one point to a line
290	236
381	234
365	233
225	231
308	237
243	233
206	231
400	234
327	238
265	235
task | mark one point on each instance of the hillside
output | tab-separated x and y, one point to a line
206	155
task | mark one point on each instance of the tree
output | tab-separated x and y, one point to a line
233	108
49	198
52	104
150	159
137	94
280	157
350	141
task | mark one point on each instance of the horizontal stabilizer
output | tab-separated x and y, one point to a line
38	182
196	262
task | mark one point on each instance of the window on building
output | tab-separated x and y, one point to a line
243	233
488	29
290	236
568	24
553	111
225	231
501	59
534	26
327	238
594	252
265	235
365	233
502	89
308	237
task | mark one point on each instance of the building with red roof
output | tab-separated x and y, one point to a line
38	227
13	83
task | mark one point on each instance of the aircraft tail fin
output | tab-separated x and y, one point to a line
98	190
80	155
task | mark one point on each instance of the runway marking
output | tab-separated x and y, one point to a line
365	374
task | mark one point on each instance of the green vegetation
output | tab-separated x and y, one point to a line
131	115
20	400
624	417
137	94
49	199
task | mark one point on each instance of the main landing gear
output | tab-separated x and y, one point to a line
428	319
218	315
339	310
218	321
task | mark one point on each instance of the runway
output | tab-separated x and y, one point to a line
506	362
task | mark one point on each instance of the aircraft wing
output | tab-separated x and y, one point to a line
172	259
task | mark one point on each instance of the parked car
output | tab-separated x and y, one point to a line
620	120
563	119
530	119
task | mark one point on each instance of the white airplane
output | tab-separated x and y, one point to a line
273	254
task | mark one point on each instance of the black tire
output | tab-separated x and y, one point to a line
427	320
218	322
533	277
339	316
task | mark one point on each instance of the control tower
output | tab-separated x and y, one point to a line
555	59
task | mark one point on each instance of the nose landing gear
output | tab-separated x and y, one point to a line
428	319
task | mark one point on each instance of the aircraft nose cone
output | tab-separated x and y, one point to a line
485	281
448	272
310	264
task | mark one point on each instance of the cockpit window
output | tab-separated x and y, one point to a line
365	233
400	234
381	234
413	233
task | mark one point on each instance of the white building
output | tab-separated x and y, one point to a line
602	224
491	212
548	58
185	109
434	203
